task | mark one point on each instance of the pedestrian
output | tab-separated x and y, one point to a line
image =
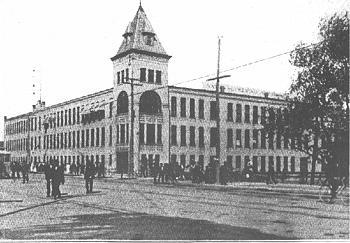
155	171
25	171
18	169
223	174
56	180
161	173
13	170
271	176
78	168
48	170
89	176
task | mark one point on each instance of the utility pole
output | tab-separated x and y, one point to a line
218	143
132	119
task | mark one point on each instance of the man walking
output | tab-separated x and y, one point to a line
89	176
25	172
56	180
48	170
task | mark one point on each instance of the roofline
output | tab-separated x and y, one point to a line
133	50
226	93
63	103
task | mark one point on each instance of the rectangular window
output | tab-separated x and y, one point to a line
247	114
263	164
118	135
213	110
238	162
73	139
122	133
65	117
123	77
286	139
201	137
238	113
192	108
151	134
183	160
278	164
73	116
247	138
142	74
173	135
110	109
229	160
255	139
70	116
118	77
97	137
271	162
92	144
127	75
110	135
246	160
192	136
87	140
78	115
285	163
213	137
142	134
183	136
263	139
159	134
158	77
263	116
173	106
278	140
201	109
255	115
238	138
229	138
255	163
103	136
183	107
150	76
82	138
78	139
65	140
271	138
229	112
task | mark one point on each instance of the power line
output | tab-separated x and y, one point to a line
236	67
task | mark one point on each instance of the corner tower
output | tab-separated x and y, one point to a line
140	77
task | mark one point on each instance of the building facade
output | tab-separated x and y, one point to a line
142	118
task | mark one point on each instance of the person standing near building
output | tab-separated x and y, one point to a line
56	180
13	170
25	172
89	176
271	176
48	170
155	171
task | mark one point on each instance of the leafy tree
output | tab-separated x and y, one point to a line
318	102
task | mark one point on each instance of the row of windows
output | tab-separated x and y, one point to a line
66	159
270	141
260	163
146	75
266	114
94	137
57	119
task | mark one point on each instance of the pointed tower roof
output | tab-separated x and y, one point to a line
140	37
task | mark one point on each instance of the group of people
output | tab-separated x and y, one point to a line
20	168
54	176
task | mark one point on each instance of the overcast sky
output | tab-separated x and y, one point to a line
70	43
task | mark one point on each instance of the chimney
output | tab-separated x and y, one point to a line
222	89
266	94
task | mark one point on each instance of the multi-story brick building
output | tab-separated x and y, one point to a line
170	124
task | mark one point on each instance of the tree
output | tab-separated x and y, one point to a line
318	100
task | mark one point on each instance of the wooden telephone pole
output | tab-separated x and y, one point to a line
218	141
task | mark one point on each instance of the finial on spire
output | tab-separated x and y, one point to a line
140	3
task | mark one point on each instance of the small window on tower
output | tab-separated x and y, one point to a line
149	40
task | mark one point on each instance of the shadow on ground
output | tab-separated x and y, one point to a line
135	226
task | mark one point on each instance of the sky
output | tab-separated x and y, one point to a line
70	42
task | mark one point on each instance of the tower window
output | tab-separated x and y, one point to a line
142	74
158	77
150	76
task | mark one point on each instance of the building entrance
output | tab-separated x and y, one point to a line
122	162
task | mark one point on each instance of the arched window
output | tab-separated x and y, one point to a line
150	103
122	103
